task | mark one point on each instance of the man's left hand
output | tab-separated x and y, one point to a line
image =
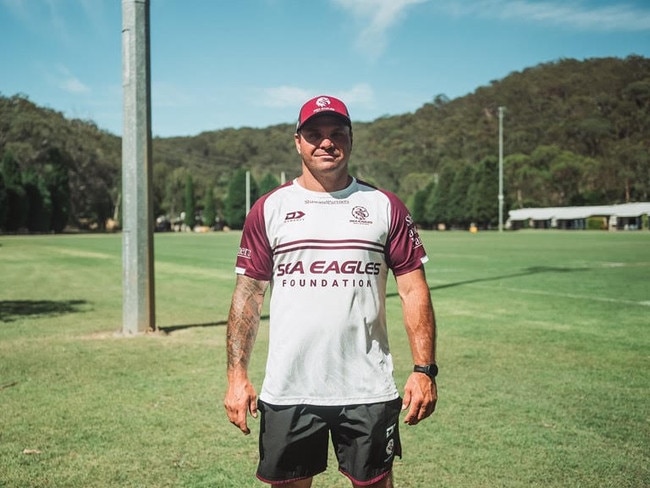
420	397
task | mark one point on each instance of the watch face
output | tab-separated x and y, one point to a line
430	370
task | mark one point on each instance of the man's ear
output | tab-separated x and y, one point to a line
296	138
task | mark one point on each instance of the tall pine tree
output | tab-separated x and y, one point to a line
209	208
190	203
236	202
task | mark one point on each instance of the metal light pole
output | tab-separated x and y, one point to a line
501	110
138	306
248	192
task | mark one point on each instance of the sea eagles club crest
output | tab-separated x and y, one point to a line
360	213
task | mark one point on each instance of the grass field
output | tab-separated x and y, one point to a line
544	350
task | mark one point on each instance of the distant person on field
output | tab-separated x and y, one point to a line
326	243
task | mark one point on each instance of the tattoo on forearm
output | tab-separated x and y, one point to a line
244	320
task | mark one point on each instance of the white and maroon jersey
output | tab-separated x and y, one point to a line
327	256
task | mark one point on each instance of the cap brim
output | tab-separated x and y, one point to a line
331	113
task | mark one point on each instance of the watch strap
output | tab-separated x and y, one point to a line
431	370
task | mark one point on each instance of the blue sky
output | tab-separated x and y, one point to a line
228	63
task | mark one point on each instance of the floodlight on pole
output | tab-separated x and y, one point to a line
501	111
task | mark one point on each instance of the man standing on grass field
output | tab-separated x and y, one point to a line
326	242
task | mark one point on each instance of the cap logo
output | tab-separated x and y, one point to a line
323	102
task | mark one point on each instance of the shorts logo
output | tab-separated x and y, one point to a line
390	447
298	215
390	444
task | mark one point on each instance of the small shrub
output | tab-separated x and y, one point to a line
596	223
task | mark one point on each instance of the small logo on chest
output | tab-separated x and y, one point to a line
293	216
360	215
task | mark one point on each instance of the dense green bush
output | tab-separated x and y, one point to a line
596	223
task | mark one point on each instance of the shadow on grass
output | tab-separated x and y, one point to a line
526	272
11	310
173	328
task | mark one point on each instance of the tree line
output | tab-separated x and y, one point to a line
575	133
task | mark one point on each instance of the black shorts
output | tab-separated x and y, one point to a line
294	440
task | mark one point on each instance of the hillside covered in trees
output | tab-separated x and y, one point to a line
575	133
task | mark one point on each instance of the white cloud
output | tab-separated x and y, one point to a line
378	16
293	97
67	82
73	85
285	96
581	15
361	94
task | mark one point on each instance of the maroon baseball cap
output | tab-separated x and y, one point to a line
323	105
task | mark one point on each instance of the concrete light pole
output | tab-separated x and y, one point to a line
138	305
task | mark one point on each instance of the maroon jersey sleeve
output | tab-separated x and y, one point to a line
404	249
255	257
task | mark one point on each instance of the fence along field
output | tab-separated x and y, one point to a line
543	350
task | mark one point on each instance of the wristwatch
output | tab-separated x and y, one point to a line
431	370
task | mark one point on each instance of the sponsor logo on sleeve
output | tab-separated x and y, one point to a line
413	231
244	253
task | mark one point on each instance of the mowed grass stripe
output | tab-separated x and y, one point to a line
570	296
